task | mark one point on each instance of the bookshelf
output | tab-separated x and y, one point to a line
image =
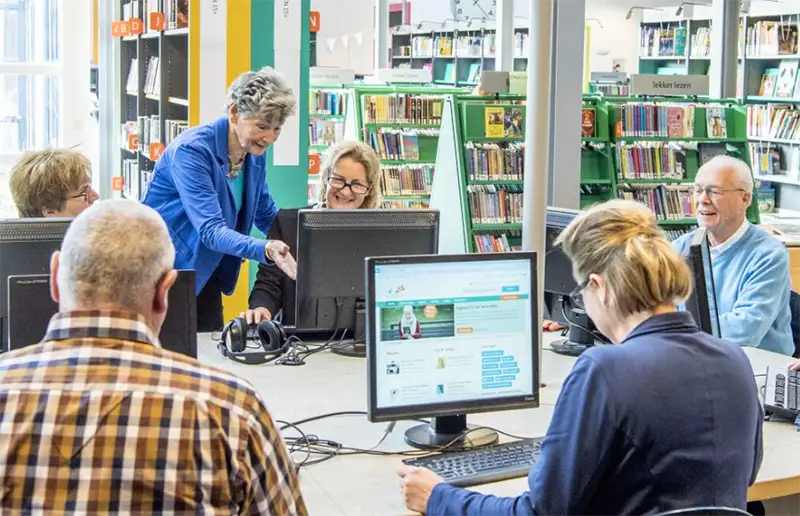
480	175
326	127
455	57
402	124
659	145
675	47
154	86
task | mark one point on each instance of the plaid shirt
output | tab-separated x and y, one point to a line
99	419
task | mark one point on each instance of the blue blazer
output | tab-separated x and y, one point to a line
190	190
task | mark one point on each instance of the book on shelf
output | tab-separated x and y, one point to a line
766	200
422	46
492	204
652	160
325	131
152	78
173	128
588	129
674	234
663	42
716	125
405	204
503	161
650	119
398	144
403	108
327	102
132	84
701	42
771	38
668	202
406	179
497	243
773	121
503	122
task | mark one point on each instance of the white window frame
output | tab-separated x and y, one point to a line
73	70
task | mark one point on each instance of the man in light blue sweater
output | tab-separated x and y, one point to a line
750	267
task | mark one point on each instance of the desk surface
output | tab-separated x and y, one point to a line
362	484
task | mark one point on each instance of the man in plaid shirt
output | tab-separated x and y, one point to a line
98	418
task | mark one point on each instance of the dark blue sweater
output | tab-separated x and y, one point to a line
668	419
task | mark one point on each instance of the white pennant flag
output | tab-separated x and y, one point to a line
330	43
346	40
359	36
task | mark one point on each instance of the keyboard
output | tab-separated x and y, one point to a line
782	393
483	465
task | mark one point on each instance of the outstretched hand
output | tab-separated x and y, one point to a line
278	252
416	484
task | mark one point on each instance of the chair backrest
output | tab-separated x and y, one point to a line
794	305
706	511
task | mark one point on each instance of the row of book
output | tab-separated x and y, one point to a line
403	108
152	79
502	161
327	102
666	41
771	38
651	160
407	179
775	121
130	178
780	82
490	204
503	122
668	202
405	204
650	119
325	131
496	243
398	144
609	89
775	160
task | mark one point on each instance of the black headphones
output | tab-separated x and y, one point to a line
271	336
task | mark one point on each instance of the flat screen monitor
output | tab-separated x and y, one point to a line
331	248
26	246
702	303
450	335
30	308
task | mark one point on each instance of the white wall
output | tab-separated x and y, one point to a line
618	38
345	19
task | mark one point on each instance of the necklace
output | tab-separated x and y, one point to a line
235	168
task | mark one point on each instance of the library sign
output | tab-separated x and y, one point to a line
646	84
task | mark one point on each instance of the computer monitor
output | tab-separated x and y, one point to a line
702	304
30	308
26	246
451	335
331	248
559	284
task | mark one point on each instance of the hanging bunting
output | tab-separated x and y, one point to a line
345	40
330	43
359	37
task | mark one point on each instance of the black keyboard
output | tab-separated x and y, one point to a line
787	390
483	465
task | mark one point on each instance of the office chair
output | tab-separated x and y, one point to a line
706	511
794	306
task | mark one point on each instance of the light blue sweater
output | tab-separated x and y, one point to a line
752	285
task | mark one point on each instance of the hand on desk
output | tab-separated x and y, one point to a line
417	485
795	364
256	315
278	252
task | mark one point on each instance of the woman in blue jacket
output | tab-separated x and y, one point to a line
668	418
210	187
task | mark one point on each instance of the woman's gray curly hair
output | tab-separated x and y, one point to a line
264	95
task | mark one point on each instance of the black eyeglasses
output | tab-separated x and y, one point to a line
84	193
354	186
576	296
712	191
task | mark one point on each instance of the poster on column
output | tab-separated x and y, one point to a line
288	49
213	49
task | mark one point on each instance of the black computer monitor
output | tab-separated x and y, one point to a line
451	335
559	284
702	303
30	308
331	248
26	246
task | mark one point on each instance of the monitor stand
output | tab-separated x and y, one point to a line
578	340
449	430
358	346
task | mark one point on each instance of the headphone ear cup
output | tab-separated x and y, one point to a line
270	335
237	335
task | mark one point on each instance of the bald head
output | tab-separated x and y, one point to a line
115	255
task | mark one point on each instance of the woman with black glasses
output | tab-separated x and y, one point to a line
350	179
665	418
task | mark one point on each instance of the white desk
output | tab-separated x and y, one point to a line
366	485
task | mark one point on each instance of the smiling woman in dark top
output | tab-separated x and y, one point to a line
350	179
668	418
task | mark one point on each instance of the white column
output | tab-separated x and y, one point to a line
381	56
537	142
111	90
504	60
724	58
566	85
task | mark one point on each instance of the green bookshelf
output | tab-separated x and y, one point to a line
479	183
402	124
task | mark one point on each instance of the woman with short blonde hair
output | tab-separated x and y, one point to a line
52	183
349	179
666	419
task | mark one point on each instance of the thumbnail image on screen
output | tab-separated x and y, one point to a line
453	332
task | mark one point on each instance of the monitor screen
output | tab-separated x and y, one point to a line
30	308
452	334
702	303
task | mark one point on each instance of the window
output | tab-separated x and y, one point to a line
37	64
